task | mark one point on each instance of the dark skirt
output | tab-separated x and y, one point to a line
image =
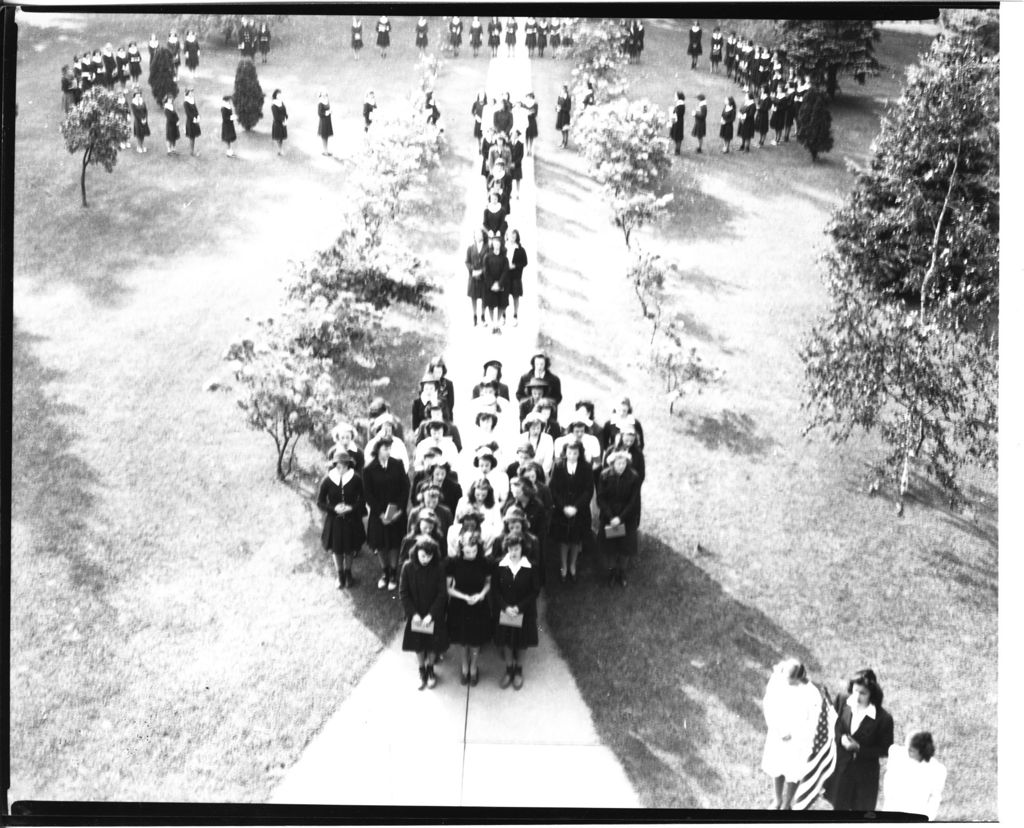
495	298
141	130
515	286
414	642
531	40
761	119
626	545
475	288
570	530
476	39
172	132
278	132
357	43
343	535
519	638
469	625
563	119
455	39
325	128
777	117
192	129
383	39
725	133
227	132
478	131
494	40
700	127
531	126
379	536
510	38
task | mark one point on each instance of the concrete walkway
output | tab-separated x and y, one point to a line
390	744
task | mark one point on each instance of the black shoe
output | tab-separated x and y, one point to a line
423	678
431	677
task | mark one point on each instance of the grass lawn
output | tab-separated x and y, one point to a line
794	558
175	632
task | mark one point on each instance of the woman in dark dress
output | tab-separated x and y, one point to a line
678	128
530	30
325	127
99	70
695	49
563	110
518	151
357	37
383	35
572	487
110	66
790	109
618	502
747	117
279	130
515	588
511	26
476	35
341	500
495	281
542	36
700	122
469	612
192	128
122	66
174	46
728	118
424	594
761	117
731	45
191	52
140	121
153	45
125	111
87	77
421	34
263	41
134	62
475	254
532	109
227	124
171	132
494	35
717	42
495	218
555	35
864	734
777	114
386	488
477	111
517	261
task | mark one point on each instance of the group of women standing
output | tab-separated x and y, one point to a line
463	519
863	735
496	258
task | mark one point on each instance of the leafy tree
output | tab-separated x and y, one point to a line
827	47
909	346
226	24
628	153
98	128
814	123
598	56
161	75
248	95
980	24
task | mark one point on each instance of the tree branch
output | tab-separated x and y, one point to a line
929	275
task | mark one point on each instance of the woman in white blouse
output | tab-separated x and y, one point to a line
542	442
913	779
791	708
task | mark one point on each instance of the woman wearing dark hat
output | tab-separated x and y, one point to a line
540	368
515	588
618	503
572	487
475	266
537	389
428	497
864	734
546	409
469	614
424	594
485	464
426	399
427	523
700	121
227	124
386	488
517	526
495	280
524	454
134	62
341	500
492	374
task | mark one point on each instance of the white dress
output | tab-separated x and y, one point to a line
912	787
790	710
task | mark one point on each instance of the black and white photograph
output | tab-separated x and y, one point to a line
604	419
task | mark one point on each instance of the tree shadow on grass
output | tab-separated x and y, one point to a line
730	431
569	362
697	278
695	327
648	658
52	489
697	214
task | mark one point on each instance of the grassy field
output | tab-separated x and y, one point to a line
794	558
175	632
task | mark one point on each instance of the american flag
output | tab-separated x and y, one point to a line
822	760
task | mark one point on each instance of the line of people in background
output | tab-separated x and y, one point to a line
510	490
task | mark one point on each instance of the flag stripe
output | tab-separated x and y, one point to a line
822	760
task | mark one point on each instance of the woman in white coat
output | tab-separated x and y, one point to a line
791	708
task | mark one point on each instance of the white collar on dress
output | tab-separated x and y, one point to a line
523	561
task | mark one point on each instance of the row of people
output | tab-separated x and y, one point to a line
863	734
766	112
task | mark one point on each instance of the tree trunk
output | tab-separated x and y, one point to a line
831	83
85	163
929	275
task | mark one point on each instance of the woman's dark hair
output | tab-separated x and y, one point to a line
587	404
470	537
732	101
438	362
700	96
275	94
471	494
426	543
381	441
576	444
537	467
526	483
680	96
866	678
923	744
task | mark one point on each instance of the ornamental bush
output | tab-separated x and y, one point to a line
161	75
248	94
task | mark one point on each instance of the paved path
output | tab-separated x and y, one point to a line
389	744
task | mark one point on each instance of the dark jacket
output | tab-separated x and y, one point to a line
618	496
854	784
342	534
381	486
571	490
